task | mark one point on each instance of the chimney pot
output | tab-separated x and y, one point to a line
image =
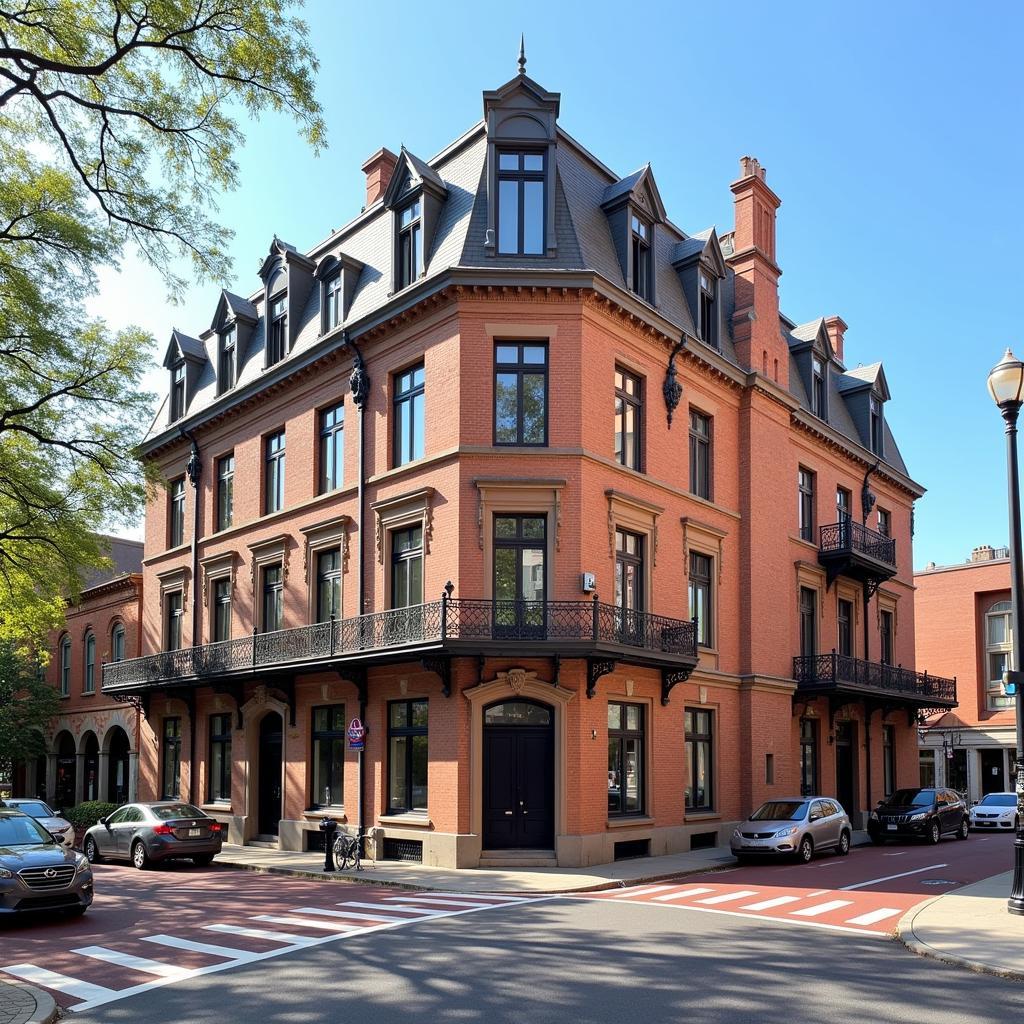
378	170
836	328
984	553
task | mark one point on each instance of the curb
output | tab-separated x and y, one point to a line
46	1011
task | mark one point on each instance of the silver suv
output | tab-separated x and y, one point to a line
796	827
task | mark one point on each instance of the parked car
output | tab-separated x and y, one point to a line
927	814
796	827
996	811
146	833
37	873
60	828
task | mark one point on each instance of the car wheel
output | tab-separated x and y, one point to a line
202	860
844	843
805	852
934	833
964	830
139	856
91	850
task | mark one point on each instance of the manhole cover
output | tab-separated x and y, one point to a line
939	881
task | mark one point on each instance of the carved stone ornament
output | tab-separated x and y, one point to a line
260	695
359	381
517	678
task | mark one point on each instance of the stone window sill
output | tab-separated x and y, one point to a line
221	808
412	820
631	821
702	816
315	813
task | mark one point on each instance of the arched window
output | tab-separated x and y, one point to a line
89	684
65	666
117	643
998	653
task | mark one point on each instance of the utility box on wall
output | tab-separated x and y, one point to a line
588	582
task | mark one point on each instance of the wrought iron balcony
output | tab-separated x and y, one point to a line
851	549
447	627
825	674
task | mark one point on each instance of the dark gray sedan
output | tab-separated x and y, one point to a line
147	833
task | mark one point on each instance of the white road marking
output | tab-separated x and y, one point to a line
898	853
306	922
729	897
442	902
486	896
682	895
200	947
889	878
425	911
874	916
777	901
136	963
817	892
58	982
644	890
821	908
360	916
258	933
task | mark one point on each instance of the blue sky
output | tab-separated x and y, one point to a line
890	131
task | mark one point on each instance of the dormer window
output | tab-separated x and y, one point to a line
332	302
875	413
226	362
410	244
178	390
521	204
640	237
277	332
819	404
708	334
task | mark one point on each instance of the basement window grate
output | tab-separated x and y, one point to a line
630	848
404	849
703	840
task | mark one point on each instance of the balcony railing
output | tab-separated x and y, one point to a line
555	626
850	537
825	672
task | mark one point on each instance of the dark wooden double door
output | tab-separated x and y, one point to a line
519	776
269	790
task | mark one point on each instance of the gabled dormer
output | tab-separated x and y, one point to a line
700	265
813	355
866	391
287	278
184	360
232	326
634	210
521	119
337	275
415	196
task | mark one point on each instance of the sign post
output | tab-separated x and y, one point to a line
357	742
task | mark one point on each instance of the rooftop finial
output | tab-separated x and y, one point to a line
522	54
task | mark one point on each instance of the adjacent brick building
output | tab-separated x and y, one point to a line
601	547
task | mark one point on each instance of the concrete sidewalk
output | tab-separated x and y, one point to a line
23	1004
970	928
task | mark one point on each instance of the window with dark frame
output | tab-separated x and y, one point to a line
273	599
328	772
170	775
219	787
332	302
407	756
176	527
808	756
274	453
328	585
221	609
117	643
89	682
888	759
277	335
332	448
629	576
708	319
520	393
700	455
805	504
640	241
172	620
225	491
699	728
65	667
178	390
885	632
885	522
875	414
521	203
407	567
844	615
520	582
226	371
808	622
628	419
700	596
626	759
844	505
410	244
819	404
409	415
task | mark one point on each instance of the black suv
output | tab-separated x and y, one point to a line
920	814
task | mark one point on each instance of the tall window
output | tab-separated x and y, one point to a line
220	759
410	415
629	571
628	419
700	454
89	682
708	321
808	622
927	763
117	643
172	621
641	245
818	395
885	522
521	394
225	491
65	666
521	204
177	513
845	617
273	599
332	299
328	586
332	448
170	781
407	756
410	244
625	759
226	369
700	751
520	546
274	472
700	596
885	632
998	653
805	504
889	759
808	756
407	567
178	390
221	610
328	756
875	413
843	505
277	336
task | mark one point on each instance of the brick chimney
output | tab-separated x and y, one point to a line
378	170
836	328
759	341
985	553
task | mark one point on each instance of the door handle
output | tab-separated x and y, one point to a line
509	813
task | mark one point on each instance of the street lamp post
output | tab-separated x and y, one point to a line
1006	385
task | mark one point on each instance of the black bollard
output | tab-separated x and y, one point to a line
328	826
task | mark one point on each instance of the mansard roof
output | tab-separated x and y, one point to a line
705	246
232	307
182	346
410	167
872	376
637	185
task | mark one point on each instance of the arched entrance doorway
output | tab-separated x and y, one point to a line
269	774
90	767
67	770
118	748
518	776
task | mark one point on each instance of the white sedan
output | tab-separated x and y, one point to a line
996	812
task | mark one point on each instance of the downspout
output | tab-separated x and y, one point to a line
193	470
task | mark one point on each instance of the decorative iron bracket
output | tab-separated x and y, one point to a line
669	678
671	388
356	675
481	667
835	702
597	667
139	701
442	665
287	687
556	669
235	689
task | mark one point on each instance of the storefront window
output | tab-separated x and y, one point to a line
220	758
328	756
625	759
407	756
171	774
928	769
808	756
700	738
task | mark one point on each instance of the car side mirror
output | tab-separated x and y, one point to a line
102	821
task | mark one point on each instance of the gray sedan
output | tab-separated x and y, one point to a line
146	833
793	827
60	828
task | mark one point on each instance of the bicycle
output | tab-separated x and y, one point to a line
348	850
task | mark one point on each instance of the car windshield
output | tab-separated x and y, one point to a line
912	798
22	831
36	808
781	810
167	811
998	800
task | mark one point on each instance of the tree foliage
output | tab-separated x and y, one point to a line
119	121
27	703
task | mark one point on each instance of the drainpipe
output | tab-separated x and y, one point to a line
193	470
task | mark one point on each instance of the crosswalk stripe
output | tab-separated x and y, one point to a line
199	947
644	890
136	963
305	922
440	902
777	901
360	916
58	982
425	911
729	897
874	916
681	895
257	933
821	908
490	896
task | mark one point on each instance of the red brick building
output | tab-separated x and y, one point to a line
964	628
601	547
